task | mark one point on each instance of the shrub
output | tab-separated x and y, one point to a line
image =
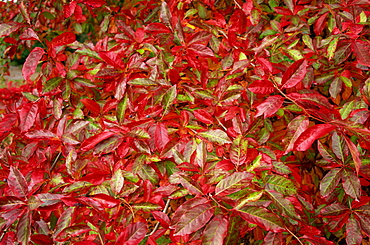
186	122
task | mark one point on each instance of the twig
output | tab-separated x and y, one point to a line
157	225
294	236
55	161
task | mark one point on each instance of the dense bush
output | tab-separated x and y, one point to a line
186	122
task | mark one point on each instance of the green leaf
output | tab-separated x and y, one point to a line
330	181
85	82
30	97
145	206
280	184
142	82
51	84
148	173
168	99
332	47
216	136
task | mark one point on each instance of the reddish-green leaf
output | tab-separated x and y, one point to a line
311	134
353	231
186	182
330	181
215	231
91	142
64	221
203	116
295	128
17	183
24	228
271	105
72	231
216	136
283	204
295	74
168	99
193	219
7	29
355	154
362	52
263	218
40	134
133	234
233	183
8	203
200	50
29	66
238	151
351	184
273	238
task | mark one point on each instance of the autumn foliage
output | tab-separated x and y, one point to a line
186	122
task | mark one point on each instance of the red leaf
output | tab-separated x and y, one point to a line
31	62
132	234
27	116
42	239
90	143
161	136
94	3
269	106
313	133
17	183
7	122
157	28
266	64
294	130
69	9
162	219
261	87
112	59
203	116
63	39
91	105
362	52
200	50
320	24
295	73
